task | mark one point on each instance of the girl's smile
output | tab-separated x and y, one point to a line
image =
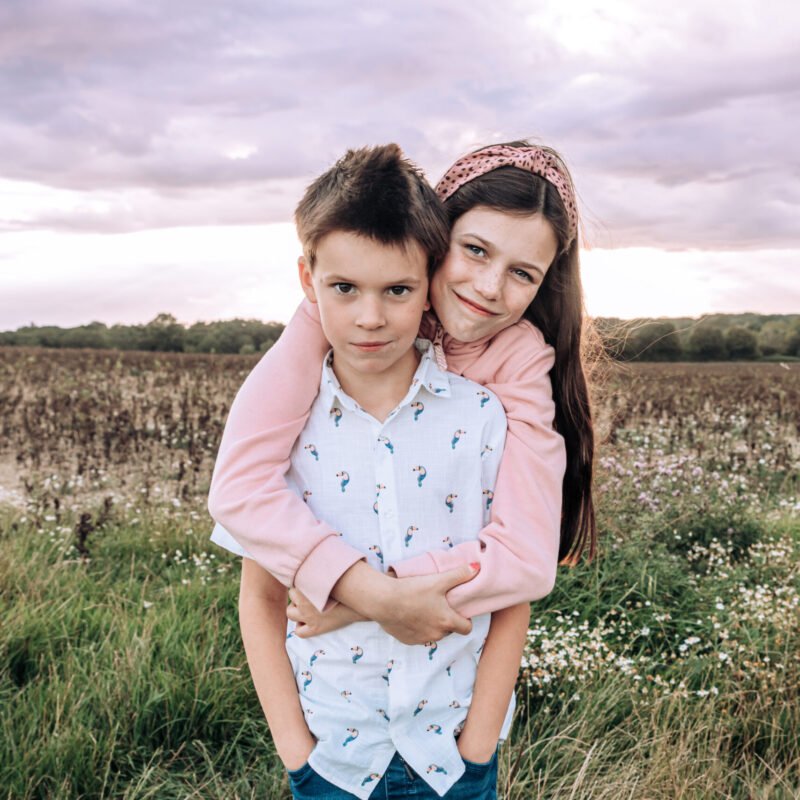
475	307
493	270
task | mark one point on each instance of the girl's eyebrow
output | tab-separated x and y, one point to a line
489	245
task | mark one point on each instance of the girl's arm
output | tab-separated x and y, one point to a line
249	495
414	610
497	674
518	549
310	622
262	618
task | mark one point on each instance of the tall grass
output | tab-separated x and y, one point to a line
120	680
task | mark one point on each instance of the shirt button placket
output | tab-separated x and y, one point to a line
387	503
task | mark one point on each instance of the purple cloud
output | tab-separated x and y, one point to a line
679	126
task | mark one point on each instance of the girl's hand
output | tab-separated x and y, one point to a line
311	622
413	610
418	611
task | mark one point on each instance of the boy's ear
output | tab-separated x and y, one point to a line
306	279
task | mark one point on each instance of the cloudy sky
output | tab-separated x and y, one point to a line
151	153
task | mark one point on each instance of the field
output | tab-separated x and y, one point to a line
667	668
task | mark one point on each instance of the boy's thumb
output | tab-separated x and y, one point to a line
462	574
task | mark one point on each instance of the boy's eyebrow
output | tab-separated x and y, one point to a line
488	244
408	280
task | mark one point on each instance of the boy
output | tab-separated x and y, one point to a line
399	456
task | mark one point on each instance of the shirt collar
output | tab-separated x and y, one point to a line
428	377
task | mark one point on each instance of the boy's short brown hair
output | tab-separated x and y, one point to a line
378	193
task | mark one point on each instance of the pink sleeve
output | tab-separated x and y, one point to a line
518	550
249	495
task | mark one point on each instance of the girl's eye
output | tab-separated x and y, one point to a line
399	291
525	276
476	250
344	288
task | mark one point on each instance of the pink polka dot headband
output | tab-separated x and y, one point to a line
533	159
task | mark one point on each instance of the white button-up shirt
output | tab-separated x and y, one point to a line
421	480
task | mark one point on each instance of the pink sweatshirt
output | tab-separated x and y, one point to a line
518	550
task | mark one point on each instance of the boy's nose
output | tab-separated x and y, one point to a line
370	314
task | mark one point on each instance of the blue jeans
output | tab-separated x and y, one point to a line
479	782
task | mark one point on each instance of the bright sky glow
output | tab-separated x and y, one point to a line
194	273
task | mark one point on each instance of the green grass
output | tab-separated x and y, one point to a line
101	696
124	675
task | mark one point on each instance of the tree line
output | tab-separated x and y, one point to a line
719	337
162	334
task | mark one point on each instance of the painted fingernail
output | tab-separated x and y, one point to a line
475	565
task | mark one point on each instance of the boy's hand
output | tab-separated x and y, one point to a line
417	610
296	749
311	622
475	746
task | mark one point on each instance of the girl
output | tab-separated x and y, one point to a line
508	313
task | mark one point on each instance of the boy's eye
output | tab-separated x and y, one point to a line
344	288
399	291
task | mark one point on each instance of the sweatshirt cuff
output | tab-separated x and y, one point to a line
323	567
423	564
438	560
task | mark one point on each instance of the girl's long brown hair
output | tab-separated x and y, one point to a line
557	311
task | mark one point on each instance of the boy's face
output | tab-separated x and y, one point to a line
371	297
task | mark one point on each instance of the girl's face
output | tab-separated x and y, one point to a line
496	264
